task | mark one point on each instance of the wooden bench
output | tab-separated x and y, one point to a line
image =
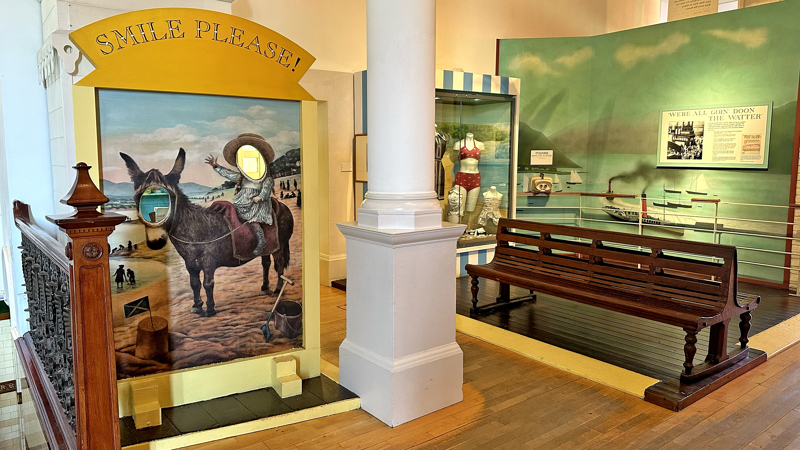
691	285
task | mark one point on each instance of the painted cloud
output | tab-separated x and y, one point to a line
533	63
629	55
579	56
537	65
749	37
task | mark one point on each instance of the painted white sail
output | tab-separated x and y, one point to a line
699	185
555	179
702	185
574	178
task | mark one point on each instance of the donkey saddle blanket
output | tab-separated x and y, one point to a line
244	239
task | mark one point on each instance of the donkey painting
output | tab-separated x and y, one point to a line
202	236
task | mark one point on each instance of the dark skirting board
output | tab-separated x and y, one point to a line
340	284
639	345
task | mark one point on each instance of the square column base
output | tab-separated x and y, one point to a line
400	355
399	391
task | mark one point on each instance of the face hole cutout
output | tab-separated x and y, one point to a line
251	163
154	205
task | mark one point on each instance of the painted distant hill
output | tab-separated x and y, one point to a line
286	164
117	190
530	139
124	190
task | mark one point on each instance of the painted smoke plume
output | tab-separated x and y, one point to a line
647	175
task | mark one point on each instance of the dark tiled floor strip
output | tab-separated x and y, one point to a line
233	410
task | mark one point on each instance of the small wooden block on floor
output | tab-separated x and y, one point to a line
146	408
287	383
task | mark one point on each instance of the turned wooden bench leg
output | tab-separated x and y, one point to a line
505	293
718	342
689	349
474	290
744	327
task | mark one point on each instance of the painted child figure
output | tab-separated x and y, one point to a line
252	197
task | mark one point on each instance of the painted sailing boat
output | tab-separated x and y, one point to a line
673	190
699	186
556	183
574	178
663	203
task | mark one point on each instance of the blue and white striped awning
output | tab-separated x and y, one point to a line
445	79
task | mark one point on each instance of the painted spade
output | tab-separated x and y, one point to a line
265	328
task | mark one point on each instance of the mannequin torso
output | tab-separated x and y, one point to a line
468	176
491	206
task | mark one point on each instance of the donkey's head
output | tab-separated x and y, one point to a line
147	183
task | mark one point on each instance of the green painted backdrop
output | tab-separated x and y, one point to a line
597	101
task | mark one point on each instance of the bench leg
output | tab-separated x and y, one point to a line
505	293
504	301
718	342
744	327
474	290
689	349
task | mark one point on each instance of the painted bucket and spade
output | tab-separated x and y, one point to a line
288	316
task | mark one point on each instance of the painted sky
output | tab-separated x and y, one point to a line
152	127
742	56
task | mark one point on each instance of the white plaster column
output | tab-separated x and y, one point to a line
400	355
401	55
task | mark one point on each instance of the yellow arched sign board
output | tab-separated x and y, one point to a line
194	51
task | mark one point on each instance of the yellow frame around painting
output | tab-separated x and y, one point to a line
241	375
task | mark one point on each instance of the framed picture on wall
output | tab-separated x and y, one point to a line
719	137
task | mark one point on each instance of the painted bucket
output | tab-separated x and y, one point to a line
289	318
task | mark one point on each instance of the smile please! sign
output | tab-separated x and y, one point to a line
179	49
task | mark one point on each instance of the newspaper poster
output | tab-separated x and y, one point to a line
726	137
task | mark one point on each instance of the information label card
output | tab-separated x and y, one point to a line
685	9
728	137
541	157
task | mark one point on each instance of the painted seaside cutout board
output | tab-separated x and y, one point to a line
212	234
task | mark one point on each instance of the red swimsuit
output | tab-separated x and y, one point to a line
466	180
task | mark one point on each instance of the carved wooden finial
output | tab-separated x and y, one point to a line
85	198
84	195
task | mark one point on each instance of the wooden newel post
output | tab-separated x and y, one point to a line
94	364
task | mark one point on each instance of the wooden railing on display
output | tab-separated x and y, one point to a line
68	355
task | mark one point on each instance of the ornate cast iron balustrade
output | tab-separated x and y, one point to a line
47	289
68	354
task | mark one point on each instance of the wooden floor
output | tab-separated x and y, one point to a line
512	402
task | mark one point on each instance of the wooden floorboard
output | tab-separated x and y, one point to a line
513	402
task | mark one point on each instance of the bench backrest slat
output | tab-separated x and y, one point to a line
689	274
717	250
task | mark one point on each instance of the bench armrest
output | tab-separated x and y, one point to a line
749	301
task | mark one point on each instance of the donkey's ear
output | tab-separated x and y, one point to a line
134	171
174	175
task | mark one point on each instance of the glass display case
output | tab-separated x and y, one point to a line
474	176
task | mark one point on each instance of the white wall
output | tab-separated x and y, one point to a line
335	32
336	147
24	153
466	30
